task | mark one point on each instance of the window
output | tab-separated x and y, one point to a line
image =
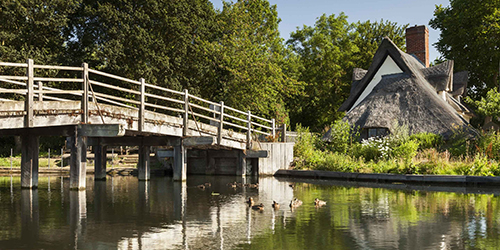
374	132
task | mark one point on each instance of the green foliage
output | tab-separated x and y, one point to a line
406	150
33	29
470	32
305	148
254	69
427	140
489	145
489	105
340	137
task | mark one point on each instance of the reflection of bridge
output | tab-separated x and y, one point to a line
98	109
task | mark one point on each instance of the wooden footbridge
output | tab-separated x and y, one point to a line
99	109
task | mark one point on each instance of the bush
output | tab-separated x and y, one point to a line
427	140
341	137
406	150
489	144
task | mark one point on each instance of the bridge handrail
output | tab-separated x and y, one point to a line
215	112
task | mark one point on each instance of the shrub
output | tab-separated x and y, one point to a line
427	140
341	137
406	150
489	144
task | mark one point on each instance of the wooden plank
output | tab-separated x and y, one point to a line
8	64
166	141
164	89
235	118
249	129
58	67
101	130
97	72
165	98
205	108
235	125
51	79
22	78
199	141
28	104
261	118
260	125
117	98
164	108
115	87
221	123
142	106
85	94
205	117
185	121
235	110
203	100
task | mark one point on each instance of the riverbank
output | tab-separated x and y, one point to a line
445	180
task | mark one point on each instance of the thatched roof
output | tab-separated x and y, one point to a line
410	97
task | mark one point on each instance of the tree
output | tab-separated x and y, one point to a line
156	40
328	53
32	29
470	31
252	68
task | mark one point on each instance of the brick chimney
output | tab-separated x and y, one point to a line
417	43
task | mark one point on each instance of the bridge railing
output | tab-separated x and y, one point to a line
89	85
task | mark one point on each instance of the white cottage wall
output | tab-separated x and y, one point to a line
388	67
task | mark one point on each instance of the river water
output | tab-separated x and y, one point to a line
123	213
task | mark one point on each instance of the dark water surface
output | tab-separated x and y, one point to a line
123	213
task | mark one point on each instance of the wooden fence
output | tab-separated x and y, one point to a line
89	85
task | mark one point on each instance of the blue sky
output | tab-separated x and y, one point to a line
296	13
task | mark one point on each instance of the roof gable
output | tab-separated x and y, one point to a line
407	63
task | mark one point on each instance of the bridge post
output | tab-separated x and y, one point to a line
28	103
40	91
100	161
143	166
241	166
273	130
180	162
78	163
186	113
29	161
85	95
221	123
142	107
249	129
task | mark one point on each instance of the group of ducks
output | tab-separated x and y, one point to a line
238	185
295	203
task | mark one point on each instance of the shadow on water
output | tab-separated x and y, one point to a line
209	212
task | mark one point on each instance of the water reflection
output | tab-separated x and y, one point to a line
125	213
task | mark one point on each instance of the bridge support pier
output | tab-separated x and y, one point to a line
241	167
29	161
78	163
100	162
143	166
180	163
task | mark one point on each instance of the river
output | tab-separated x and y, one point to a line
124	213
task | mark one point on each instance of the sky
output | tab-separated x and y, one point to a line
296	13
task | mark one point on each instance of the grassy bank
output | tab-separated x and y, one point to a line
399	153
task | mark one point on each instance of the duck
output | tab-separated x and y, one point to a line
250	202
259	207
202	187
292	185
319	203
295	203
233	185
276	205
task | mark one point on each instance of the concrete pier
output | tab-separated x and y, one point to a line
78	163
180	163
29	161
143	166
100	162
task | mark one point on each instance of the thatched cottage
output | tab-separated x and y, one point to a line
400	87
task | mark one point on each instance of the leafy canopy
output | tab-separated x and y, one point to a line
470	31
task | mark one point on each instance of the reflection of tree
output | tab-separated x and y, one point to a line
379	218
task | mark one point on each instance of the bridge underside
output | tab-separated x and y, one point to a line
100	136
